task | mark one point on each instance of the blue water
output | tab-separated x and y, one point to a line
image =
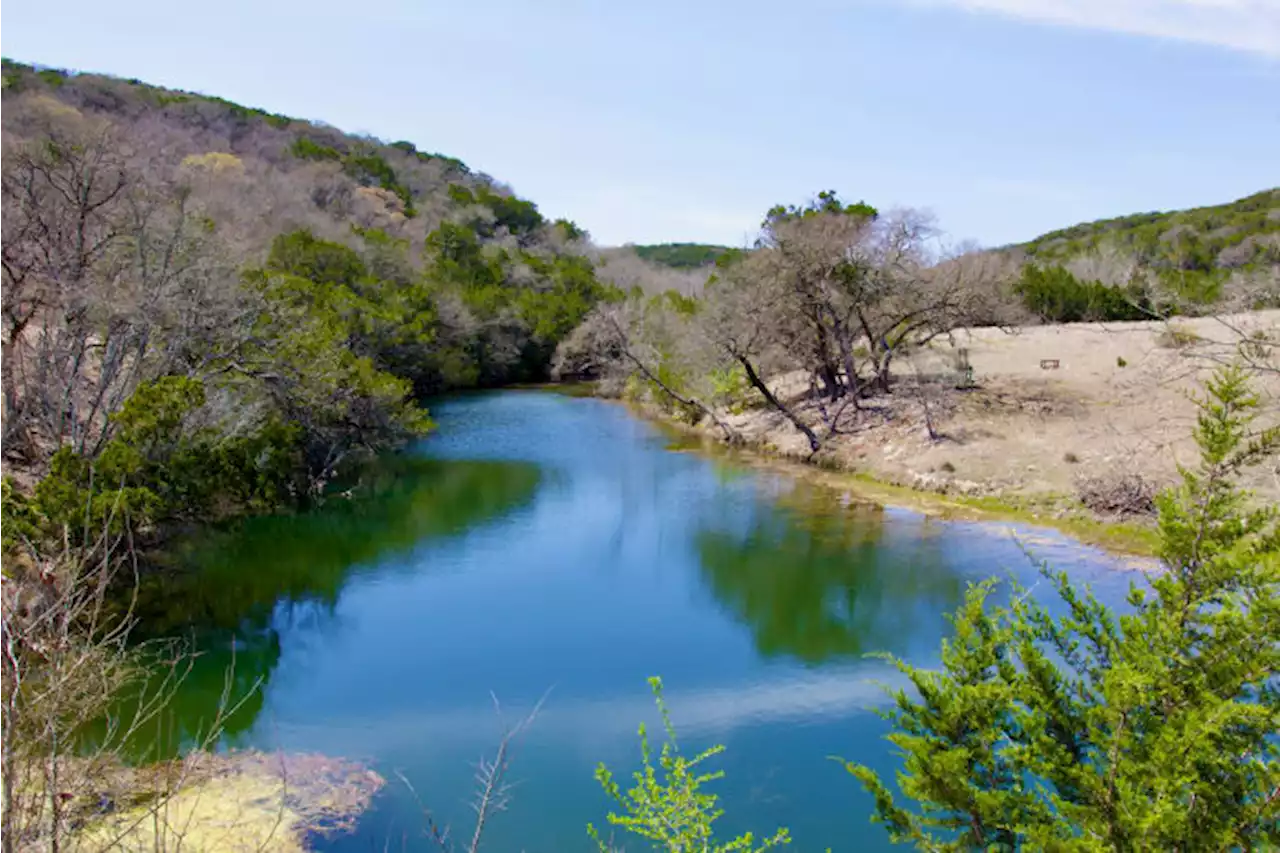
556	548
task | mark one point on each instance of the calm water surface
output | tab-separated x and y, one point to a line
541	543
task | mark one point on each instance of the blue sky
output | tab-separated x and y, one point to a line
656	120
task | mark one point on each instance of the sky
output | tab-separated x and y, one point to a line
662	120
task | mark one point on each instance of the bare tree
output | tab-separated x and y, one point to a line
60	199
645	338
841	293
744	318
66	658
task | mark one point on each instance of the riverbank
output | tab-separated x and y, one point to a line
1136	538
1049	419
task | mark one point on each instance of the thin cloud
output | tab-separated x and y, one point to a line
1243	25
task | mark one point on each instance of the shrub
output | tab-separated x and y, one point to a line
667	807
55	77
308	149
1056	296
155	468
1150	730
1117	494
1259	346
731	389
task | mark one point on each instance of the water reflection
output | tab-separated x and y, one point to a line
237	580
235	593
817	579
557	543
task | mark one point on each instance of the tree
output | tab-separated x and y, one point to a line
61	200
841	291
303	364
745	320
651	341
1153	729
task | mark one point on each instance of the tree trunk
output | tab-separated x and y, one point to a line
844	341
9	381
729	434
16	437
758	384
830	377
882	380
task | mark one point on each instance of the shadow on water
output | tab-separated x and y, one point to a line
233	592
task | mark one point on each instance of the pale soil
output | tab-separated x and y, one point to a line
1028	431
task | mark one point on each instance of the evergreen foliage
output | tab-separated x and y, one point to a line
1152	729
681	255
1056	296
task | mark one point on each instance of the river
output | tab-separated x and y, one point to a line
539	545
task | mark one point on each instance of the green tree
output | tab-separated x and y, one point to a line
1056	296
320	374
1152	730
303	254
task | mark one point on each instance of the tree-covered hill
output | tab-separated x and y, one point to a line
1225	255
681	255
1235	235
221	308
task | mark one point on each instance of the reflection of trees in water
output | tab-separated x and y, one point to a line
237	590
212	695
236	579
816	579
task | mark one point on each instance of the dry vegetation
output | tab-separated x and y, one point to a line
1110	423
210	310
79	696
858	340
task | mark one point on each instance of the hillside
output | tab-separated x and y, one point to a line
229	309
681	256
1186	261
1236	235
